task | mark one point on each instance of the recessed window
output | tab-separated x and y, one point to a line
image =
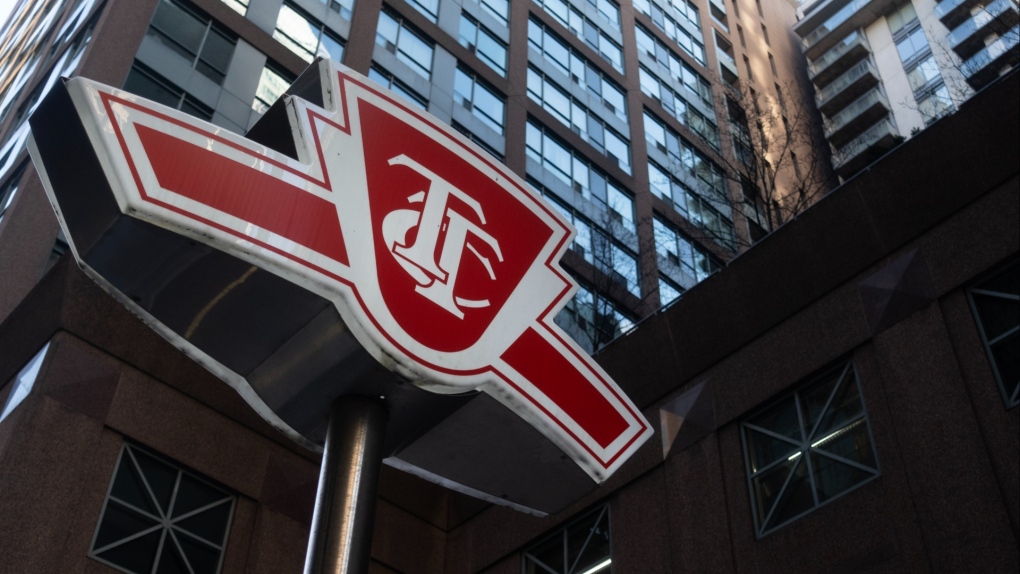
581	547
482	101
306	36
482	43
194	37
161	519
386	79
996	305
146	83
411	48
428	8
808	449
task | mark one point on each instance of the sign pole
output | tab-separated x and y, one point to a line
340	541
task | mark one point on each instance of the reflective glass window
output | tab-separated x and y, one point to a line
482	43
306	36
394	35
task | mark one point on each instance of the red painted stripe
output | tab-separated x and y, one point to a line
546	368
244	192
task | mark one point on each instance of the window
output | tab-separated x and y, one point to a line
903	17
608	10
477	141
498	9
935	104
193	37
578	118
772	62
705	203
343	7
808	448
482	43
272	85
683	72
575	172
586	30
912	45
578	69
996	306
747	66
765	34
597	247
668	291
386	79
394	35
924	73
679	108
469	92
760	12
23	382
144	82
593	321
581	547
306	36
683	253
740	32
429	8
569	16
694	47
160	518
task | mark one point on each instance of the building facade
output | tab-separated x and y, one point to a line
883	70
620	114
842	397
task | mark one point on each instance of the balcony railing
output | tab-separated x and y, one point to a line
952	12
855	41
863	69
882	132
727	60
991	53
966	38
834	21
872	99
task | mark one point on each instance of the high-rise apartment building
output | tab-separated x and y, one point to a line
884	69
627	116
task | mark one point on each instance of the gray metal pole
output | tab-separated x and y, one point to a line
340	541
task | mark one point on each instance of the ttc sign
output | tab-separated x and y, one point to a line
442	264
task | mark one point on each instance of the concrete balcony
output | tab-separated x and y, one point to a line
986	65
858	79
850	50
968	38
865	148
952	13
828	24
852	120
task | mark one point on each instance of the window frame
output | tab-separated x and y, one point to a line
1011	399
597	512
844	366
127	450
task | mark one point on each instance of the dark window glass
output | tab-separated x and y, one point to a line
162	519
808	448
583	546
996	305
